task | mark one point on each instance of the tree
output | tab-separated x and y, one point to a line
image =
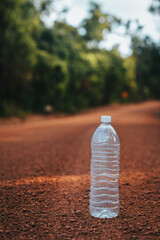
147	57
97	24
18	52
155	7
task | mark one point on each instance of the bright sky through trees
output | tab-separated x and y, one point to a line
124	9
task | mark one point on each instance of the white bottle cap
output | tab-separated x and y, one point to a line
106	119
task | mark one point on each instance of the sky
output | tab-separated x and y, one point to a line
124	9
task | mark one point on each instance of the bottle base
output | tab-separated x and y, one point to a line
109	213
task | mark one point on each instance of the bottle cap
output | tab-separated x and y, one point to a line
106	119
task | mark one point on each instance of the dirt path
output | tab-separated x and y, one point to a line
45	178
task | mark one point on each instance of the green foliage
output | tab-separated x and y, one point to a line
146	56
147	68
58	67
96	24
130	76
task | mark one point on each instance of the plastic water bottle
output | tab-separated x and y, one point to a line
104	191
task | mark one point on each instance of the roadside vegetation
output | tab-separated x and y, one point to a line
64	68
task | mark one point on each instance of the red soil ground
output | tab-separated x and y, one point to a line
45	176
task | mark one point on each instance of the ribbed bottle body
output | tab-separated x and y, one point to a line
104	191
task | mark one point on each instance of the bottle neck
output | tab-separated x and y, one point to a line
106	123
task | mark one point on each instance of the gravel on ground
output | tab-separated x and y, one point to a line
45	176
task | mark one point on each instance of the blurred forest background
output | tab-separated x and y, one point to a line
63	68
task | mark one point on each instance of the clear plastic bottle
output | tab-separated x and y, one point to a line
104	191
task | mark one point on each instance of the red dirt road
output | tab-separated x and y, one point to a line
45	176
